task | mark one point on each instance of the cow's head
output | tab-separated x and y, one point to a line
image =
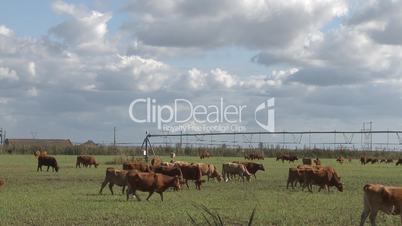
57	168
177	183
261	167
96	165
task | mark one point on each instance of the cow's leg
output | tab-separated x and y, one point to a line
39	167
150	194
187	184
364	215
255	176
129	191
161	194
122	190
111	187
48	168
287	184
373	216
102	186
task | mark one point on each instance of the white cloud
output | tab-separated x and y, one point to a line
8	74
6	31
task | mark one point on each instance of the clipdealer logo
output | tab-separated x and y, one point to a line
183	114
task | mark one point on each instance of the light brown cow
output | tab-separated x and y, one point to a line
231	169
209	170
114	177
252	167
150	182
86	160
377	197
323	177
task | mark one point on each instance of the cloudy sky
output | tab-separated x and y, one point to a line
70	69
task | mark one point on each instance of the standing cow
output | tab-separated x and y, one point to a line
114	177
150	182
231	169
48	161
86	160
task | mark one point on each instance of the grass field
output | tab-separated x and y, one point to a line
70	197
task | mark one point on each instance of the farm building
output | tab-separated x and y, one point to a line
89	144
37	143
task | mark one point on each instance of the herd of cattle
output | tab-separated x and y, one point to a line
158	176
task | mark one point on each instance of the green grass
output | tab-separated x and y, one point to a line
70	197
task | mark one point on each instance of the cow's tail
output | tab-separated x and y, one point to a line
366	187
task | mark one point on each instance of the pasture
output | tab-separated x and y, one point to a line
70	197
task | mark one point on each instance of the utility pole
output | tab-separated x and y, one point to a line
114	136
1	135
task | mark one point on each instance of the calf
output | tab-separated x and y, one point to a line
379	197
48	161
86	160
192	172
114	177
150	182
230	169
323	178
140	166
252	167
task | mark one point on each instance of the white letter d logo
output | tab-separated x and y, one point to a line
269	107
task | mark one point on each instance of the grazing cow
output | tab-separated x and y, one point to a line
48	161
295	175
231	169
290	158
254	155
40	153
317	162
169	171
150	182
307	161
252	167
204	154
209	170
379	197
389	161
192	172
114	177
86	160
398	162
140	166
340	159
323	177
383	160
155	161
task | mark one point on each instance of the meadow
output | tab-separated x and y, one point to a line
70	197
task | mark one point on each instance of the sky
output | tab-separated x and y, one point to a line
70	69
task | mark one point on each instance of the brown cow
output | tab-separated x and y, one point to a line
209	170
398	162
252	167
363	160
379	197
389	161
192	172
1	182
204	154
374	160
231	169
86	160
290	158
340	159
40	153
114	177
48	161
169	171
150	182
140	166
156	161
322	177
295	175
